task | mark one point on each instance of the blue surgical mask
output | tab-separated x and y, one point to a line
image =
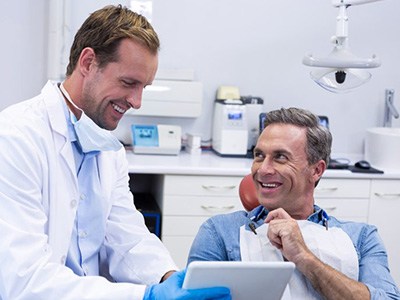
90	136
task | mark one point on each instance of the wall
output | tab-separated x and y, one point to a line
256	45
259	46
23	24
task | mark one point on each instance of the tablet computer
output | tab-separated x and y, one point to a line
246	280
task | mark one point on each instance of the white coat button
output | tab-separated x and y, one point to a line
73	203
63	259
83	197
82	234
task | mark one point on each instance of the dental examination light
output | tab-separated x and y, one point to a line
341	71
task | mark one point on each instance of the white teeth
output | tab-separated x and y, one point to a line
269	185
118	109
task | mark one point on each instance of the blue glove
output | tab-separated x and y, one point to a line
172	289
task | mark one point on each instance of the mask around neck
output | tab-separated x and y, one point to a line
90	136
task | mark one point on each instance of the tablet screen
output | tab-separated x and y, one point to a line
246	280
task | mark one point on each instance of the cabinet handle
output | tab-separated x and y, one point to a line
387	196
217	208
216	188
327	189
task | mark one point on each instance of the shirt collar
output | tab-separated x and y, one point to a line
319	216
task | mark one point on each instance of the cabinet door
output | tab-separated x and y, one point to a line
384	213
345	199
342	188
347	209
196	185
200	205
188	201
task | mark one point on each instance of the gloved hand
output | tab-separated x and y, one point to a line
171	289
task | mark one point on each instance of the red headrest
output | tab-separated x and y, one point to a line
248	193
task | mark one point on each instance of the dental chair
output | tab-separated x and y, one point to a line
248	193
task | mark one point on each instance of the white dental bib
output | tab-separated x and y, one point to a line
334	247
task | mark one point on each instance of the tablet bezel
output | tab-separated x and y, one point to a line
246	280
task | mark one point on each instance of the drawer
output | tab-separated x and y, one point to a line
182	225
200	205
386	189
346	209
343	188
201	185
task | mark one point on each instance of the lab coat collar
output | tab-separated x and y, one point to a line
54	100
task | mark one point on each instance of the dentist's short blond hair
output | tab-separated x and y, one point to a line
103	31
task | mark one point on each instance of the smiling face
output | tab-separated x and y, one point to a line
281	171
108	92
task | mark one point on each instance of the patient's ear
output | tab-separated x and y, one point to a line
318	169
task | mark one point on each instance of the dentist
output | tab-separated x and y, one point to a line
68	226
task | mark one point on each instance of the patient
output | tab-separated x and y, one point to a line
334	259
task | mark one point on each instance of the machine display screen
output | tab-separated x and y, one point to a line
145	135
235	115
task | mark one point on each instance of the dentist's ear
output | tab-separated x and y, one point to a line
86	61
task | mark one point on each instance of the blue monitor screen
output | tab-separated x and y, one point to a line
323	120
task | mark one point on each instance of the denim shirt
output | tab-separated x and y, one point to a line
218	240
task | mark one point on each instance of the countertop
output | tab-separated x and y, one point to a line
208	163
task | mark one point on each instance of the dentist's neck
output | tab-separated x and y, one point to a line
68	100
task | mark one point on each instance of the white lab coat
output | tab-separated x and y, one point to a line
38	201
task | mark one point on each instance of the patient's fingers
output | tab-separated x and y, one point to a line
278	213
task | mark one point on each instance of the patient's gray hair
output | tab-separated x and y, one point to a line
319	138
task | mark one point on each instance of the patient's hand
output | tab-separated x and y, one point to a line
284	233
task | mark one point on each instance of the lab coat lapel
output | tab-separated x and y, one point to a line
58	124
64	199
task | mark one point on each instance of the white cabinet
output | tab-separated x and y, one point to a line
345	199
384	213
188	201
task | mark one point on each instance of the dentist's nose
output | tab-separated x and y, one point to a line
135	99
